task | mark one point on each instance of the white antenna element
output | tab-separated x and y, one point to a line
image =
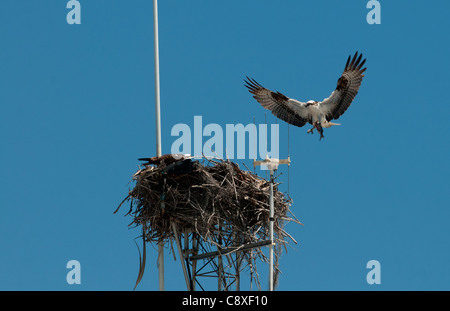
158	132
271	165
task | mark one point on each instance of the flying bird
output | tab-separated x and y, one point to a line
318	114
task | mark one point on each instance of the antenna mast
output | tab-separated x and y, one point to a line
158	132
272	166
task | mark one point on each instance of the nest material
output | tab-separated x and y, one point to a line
221	203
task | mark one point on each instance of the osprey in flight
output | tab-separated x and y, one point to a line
318	114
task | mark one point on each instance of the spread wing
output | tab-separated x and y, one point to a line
287	109
347	88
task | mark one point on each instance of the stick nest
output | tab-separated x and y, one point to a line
224	205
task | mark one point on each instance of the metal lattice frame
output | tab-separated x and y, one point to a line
202	259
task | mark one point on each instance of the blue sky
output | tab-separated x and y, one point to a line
78	110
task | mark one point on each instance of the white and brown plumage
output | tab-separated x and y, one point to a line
318	114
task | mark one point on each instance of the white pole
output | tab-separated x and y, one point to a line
272	165
271	219
157	88
158	131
